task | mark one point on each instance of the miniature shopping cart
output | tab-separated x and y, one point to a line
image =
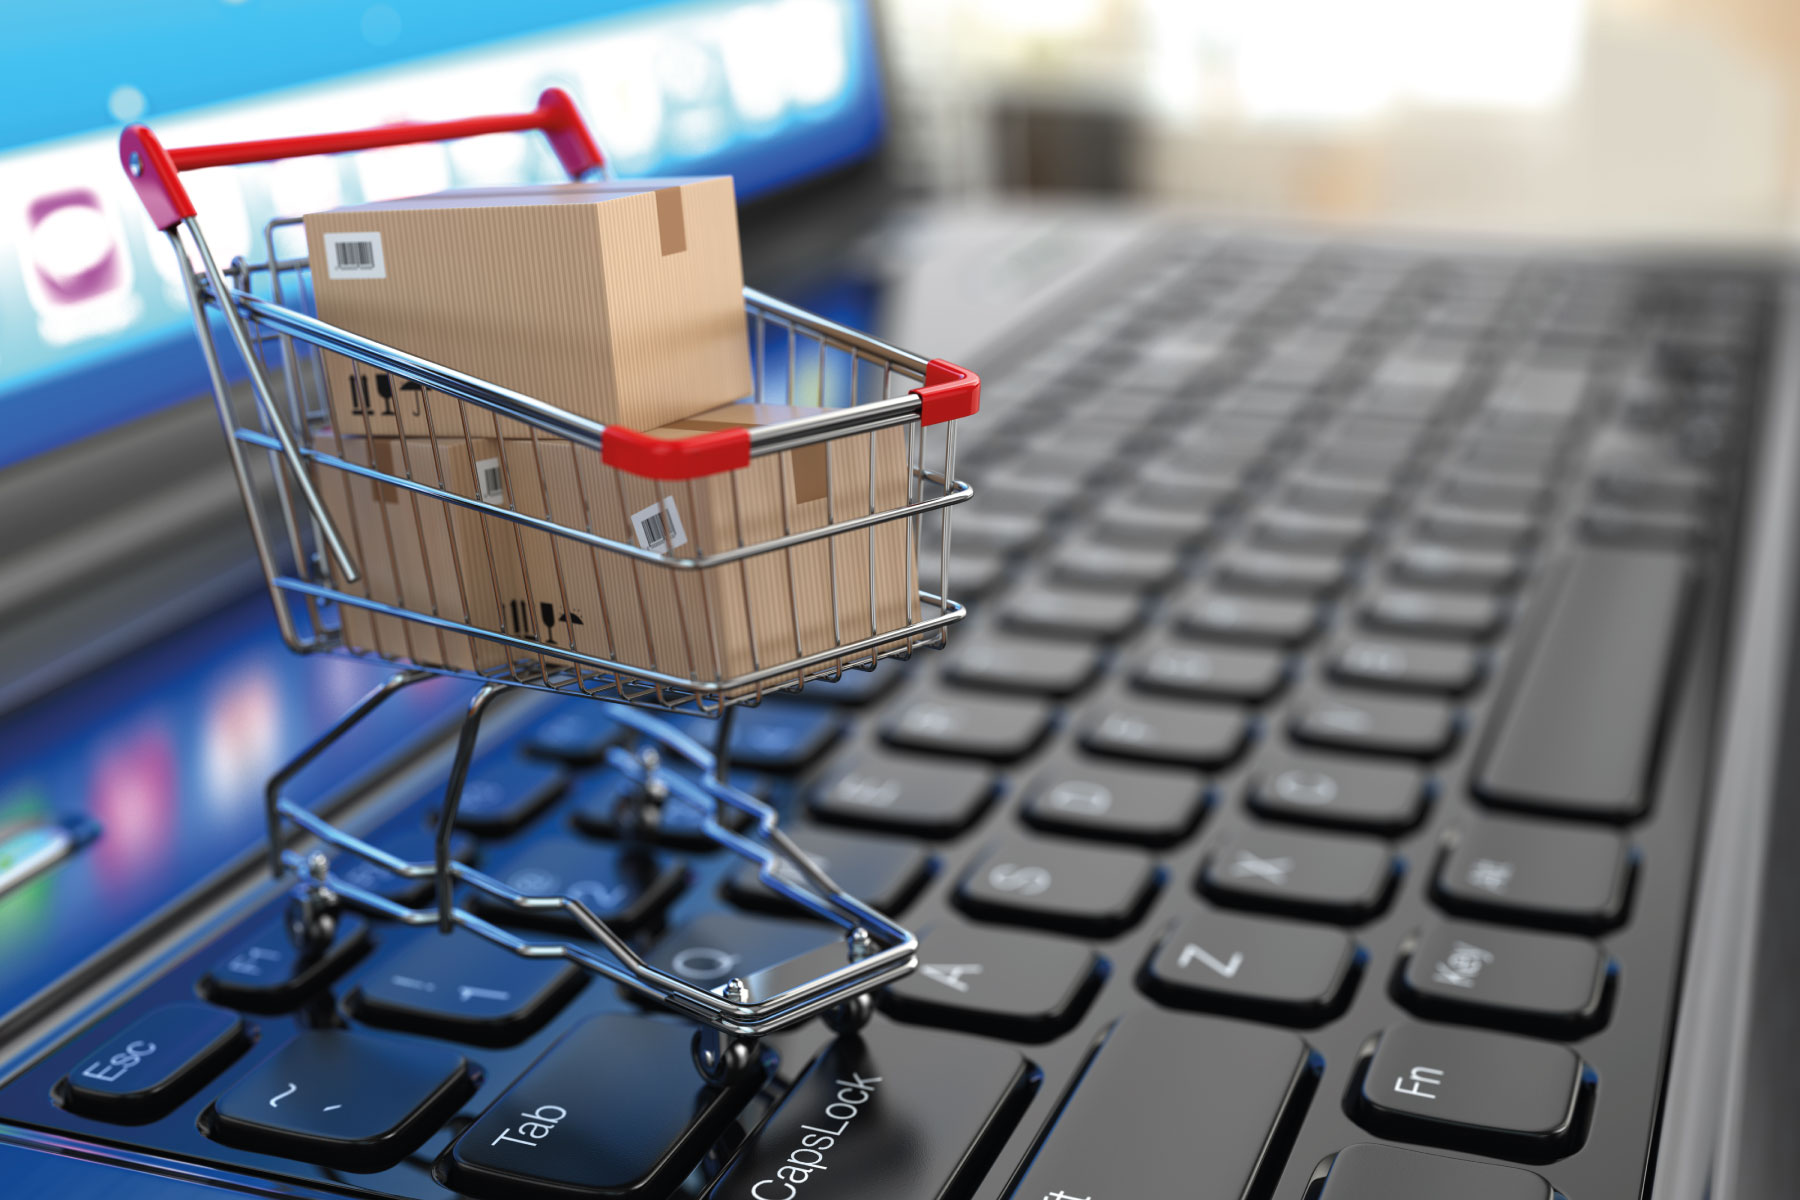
315	562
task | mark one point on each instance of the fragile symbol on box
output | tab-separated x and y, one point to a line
658	526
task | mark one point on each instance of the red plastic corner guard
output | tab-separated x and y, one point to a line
675	458
949	393
154	175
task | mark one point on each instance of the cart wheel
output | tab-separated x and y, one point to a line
723	1058
850	1015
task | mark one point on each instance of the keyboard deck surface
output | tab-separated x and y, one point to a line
1324	766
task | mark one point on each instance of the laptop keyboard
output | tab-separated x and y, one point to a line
1308	810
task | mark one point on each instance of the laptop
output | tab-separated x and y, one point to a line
1356	777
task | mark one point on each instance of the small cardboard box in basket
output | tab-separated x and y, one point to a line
618	301
711	625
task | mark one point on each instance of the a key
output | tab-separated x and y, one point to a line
1003	663
1263	968
1477	529
894	1114
266	972
412	844
1368	1171
1434	614
353	1101
1342	792
1124	521
772	737
463	987
1326	876
1577	736
601	802
1666	489
500	797
565	1128
960	723
1310	576
622	886
1089	563
883	873
996	983
1468	1089
1426	564
1407	664
1210	672
1608	525
1090	798
718	946
1370	724
1066	612
1181	733
1540	983
1269	619
902	793
991	532
1320	494
577	732
1070	888
1535	873
1326	533
144	1070
971	574
1141	1122
1490	494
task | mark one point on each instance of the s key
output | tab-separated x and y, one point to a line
1058	885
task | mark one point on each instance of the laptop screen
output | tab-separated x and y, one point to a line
94	329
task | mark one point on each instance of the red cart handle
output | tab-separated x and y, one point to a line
156	172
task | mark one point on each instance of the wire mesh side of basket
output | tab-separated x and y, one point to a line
877	951
796	358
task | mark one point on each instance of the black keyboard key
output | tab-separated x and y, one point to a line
1494	494
1478	529
882	873
1264	968
1370	724
1326	876
578	732
990	532
1468	1089
500	797
602	800
1434	614
1328	533
1143	1122
346	1100
1342	792
996	983
1607	525
1166	731
902	794
712	949
1210	672
267	972
946	722
1306	575
772	737
1425	564
895	1114
1368	1171
1091	798
971	574
1578	733
412	844
1407	664
1060	885
625	886
568	1128
464	987
1065	612
1125	521
1534	873
1540	983
1269	619
1014	664
1319	494
143	1071
1089	563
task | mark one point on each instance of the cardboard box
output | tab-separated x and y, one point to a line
618	301
716	623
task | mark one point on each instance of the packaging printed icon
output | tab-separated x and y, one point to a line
618	301
711	624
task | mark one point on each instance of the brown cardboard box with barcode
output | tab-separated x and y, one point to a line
619	301
715	624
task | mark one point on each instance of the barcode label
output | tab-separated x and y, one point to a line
488	482
658	527
354	256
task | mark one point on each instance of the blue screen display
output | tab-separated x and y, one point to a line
93	325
